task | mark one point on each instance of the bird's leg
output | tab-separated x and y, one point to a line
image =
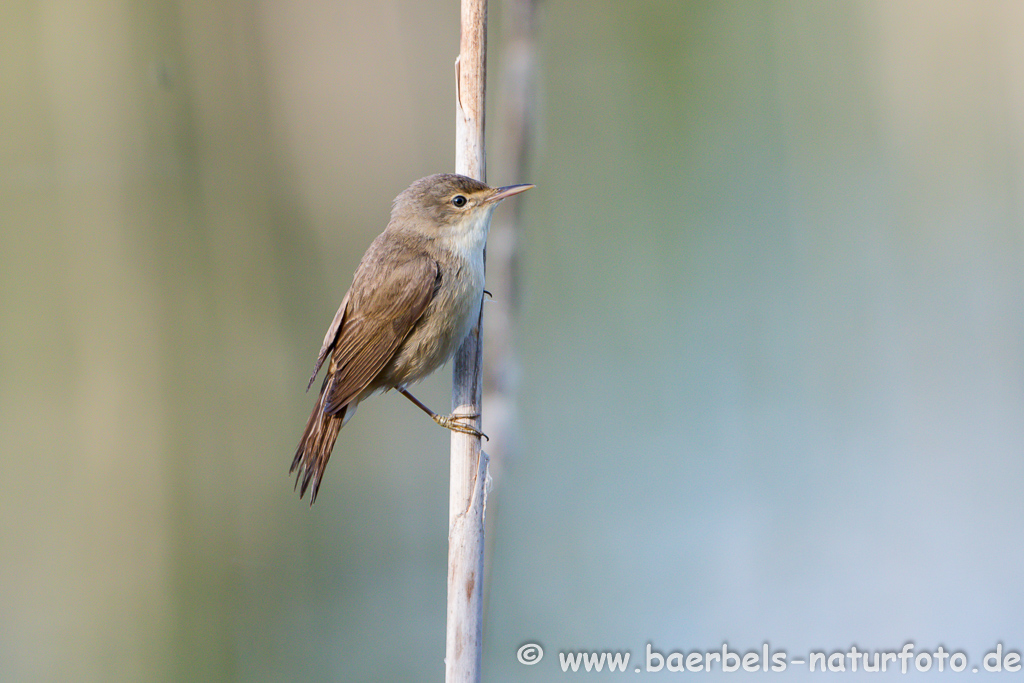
447	421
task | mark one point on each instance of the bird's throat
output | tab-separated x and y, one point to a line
467	239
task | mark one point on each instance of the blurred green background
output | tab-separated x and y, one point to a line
771	342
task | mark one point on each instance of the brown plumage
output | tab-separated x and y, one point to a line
411	303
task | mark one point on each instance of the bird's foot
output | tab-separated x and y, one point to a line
454	423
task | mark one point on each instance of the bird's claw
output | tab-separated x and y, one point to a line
453	423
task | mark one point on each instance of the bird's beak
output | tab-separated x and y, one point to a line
505	192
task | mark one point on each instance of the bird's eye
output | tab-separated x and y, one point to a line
458	201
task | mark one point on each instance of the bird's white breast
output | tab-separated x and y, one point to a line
457	302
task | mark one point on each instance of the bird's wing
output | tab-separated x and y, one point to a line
329	339
372	325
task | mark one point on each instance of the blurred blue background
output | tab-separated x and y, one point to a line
771	343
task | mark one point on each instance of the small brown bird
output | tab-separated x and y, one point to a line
413	299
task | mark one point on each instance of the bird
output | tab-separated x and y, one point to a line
415	295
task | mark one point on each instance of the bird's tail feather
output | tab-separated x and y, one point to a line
317	443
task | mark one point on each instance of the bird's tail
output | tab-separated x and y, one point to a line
318	441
